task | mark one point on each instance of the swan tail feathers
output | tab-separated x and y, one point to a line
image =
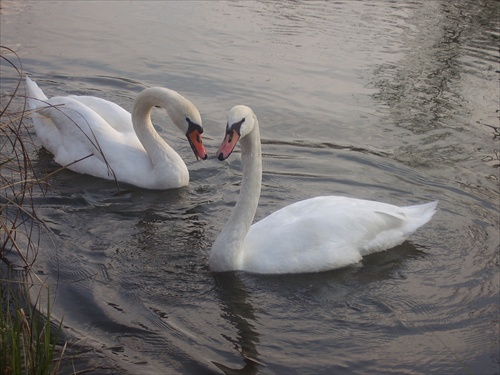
420	214
34	95
43	124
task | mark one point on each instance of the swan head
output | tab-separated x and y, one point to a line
188	120
193	135
240	122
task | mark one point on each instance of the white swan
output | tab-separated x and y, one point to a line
313	235
123	145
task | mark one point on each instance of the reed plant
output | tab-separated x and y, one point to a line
28	343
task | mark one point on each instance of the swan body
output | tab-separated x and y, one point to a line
122	145
312	235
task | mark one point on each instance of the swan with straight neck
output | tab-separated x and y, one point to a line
312	235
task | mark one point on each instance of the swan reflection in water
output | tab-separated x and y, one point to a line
239	312
346	289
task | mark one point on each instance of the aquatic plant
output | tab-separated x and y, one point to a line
28	344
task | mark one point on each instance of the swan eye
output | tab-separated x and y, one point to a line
237	126
192	126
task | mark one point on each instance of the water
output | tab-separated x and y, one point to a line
392	101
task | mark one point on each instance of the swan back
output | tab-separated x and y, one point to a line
117	117
328	232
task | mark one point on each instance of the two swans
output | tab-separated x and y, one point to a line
123	146
312	235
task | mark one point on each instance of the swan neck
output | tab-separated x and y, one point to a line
141	113
160	153
229	246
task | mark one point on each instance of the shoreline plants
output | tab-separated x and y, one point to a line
29	342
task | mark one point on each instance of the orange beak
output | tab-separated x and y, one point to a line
194	138
228	145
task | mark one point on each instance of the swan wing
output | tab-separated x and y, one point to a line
82	132
328	232
116	117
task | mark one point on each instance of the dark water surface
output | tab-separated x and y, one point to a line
391	101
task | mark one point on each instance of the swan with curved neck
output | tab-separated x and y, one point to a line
123	146
312	235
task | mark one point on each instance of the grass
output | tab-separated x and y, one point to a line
28	343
